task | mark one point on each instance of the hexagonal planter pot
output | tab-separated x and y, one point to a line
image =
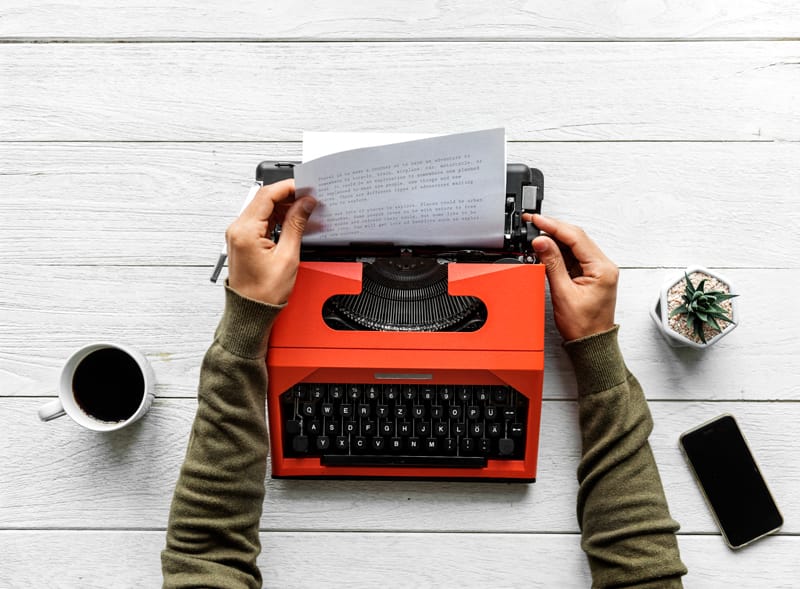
674	329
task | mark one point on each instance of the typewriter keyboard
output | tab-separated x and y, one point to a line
403	424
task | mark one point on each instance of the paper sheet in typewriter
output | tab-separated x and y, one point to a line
439	191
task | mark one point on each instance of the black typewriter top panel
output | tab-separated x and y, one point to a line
524	194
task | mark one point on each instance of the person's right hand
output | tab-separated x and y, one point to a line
583	281
258	268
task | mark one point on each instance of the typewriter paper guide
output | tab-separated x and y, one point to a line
441	191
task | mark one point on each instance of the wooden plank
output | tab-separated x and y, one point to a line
315	559
537	19
171	314
538	91
646	204
56	473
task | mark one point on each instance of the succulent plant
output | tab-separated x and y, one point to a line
702	307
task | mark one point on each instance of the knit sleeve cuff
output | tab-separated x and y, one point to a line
597	361
245	325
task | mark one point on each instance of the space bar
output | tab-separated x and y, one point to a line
391	460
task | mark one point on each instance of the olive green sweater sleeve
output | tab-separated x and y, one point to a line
212	535
627	532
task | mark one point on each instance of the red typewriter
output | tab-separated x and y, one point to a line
396	362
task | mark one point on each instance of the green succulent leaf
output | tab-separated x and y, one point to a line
679	310
689	285
698	329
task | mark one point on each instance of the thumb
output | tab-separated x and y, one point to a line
553	262
294	223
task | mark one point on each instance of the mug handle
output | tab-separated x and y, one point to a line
51	410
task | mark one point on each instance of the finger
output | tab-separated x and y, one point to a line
583	248
294	224
262	205
553	261
278	215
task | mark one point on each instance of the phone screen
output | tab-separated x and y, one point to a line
731	481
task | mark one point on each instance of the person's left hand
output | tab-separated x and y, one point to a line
258	268
583	281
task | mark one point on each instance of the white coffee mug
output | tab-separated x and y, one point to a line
103	387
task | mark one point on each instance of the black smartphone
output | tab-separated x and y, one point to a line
731	482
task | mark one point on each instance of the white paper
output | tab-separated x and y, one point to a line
320	143
441	191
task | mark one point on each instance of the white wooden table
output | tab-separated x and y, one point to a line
130	130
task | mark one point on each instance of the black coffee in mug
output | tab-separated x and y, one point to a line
108	385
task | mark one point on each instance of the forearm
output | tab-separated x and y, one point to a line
627	531
212	536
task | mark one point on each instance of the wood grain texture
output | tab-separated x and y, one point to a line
315	559
539	91
646	204
56	473
362	19
171	313
122	163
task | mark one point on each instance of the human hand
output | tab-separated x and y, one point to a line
583	281
258	268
